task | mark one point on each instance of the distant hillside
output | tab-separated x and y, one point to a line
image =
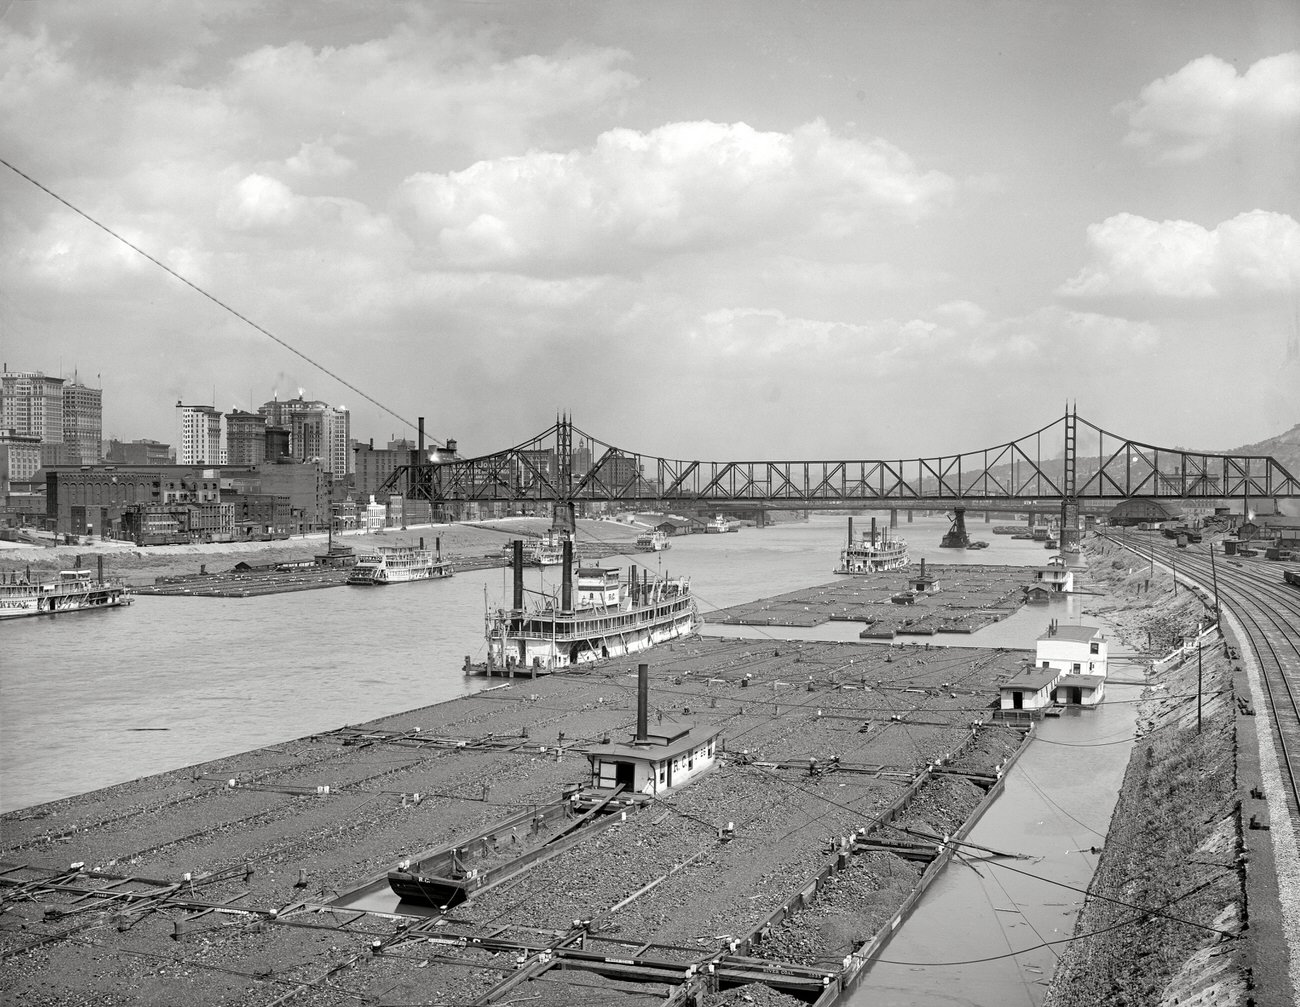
1285	448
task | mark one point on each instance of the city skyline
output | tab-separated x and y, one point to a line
781	230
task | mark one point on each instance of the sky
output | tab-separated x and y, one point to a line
705	230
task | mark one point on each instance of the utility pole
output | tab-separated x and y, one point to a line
1214	576
1198	681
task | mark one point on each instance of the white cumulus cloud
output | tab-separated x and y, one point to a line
1253	253
1207	105
683	186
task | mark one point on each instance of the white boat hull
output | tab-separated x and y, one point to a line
527	641
16	604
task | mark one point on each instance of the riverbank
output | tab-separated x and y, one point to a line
1167	907
141	565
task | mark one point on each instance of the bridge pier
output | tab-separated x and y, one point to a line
893	517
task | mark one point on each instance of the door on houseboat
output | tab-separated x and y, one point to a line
623	774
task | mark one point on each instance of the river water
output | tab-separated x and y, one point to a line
984	932
97	698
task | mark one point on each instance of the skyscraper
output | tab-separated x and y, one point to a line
200	435
31	404
245	438
83	422
317	430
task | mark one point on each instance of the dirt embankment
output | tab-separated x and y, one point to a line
141	565
1167	901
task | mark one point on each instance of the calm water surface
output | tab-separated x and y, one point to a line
97	698
977	935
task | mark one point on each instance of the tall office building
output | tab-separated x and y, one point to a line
31	404
245	438
317	430
83	422
200	435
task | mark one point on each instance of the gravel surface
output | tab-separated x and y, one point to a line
305	845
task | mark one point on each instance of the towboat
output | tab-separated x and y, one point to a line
598	615
387	564
71	591
653	541
873	553
548	550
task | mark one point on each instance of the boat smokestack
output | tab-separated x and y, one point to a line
642	702
850	531
566	580
517	567
100	564
873	531
922	566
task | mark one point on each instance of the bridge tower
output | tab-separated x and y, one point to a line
1069	491
563	517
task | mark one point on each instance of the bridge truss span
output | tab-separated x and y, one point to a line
1055	464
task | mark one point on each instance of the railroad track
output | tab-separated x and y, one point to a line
1268	609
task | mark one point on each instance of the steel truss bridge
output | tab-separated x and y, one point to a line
1070	462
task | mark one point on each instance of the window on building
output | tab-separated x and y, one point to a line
1075	667
1094	648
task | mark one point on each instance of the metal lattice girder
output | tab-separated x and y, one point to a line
1029	470
1125	468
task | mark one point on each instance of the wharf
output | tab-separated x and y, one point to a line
850	777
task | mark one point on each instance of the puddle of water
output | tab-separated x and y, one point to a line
975	937
377	897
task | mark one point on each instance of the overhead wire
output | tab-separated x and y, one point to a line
211	297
